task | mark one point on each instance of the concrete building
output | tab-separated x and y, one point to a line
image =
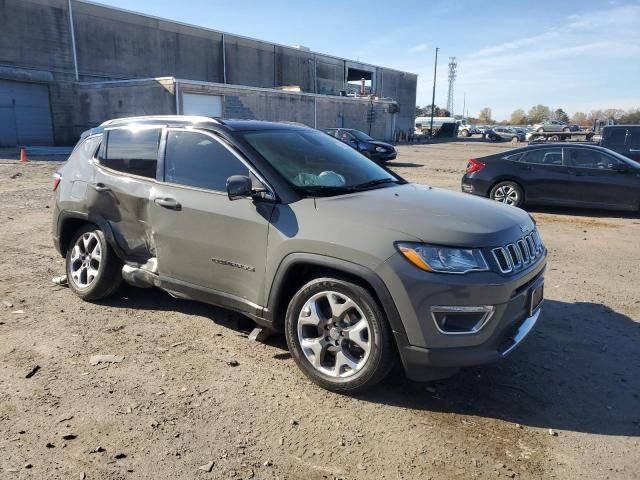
68	65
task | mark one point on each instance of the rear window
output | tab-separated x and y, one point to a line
516	157
133	151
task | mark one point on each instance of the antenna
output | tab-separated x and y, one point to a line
453	68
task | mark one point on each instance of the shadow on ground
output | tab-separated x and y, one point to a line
582	212
579	370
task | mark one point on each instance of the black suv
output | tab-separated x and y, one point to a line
622	139
375	150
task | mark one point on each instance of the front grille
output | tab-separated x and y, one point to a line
519	254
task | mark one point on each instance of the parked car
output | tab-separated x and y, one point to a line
375	150
505	134
302	234
623	139
556	174
555	126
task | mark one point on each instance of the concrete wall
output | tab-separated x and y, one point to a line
95	103
35	37
36	46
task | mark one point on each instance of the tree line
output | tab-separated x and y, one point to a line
538	113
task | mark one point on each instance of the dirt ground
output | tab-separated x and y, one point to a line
566	405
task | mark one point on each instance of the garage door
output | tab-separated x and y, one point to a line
205	105
25	114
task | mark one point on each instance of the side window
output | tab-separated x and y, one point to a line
133	151
587	158
197	160
615	137
544	156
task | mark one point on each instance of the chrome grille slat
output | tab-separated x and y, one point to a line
519	254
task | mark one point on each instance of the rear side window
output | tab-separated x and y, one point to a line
544	156
198	160
615	137
85	149
133	151
516	157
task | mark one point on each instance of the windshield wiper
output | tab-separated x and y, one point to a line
375	183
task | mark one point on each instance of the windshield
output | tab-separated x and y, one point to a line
315	163
363	137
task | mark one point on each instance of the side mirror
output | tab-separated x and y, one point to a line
238	186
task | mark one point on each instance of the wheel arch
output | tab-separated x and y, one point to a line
70	222
298	268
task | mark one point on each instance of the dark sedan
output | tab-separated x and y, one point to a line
575	175
377	151
505	134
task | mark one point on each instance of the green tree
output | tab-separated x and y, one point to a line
485	115
518	117
631	117
561	115
539	113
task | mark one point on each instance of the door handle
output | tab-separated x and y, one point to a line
100	187
169	203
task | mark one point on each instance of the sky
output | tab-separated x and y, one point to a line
579	55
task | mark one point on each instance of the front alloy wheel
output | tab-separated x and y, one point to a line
509	193
338	335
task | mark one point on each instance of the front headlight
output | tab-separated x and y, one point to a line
380	149
432	258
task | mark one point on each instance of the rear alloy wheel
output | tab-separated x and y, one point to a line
515	140
93	268
509	193
338	335
555	138
541	130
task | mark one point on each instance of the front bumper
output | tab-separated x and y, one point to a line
423	347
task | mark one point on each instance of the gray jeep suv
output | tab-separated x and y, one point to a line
303	234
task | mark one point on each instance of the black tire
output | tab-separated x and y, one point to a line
555	138
502	189
515	140
109	269
541	130
381	355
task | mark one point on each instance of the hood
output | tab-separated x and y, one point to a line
381	144
432	215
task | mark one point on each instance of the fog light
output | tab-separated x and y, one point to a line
461	320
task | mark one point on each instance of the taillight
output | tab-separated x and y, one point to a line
474	166
56	180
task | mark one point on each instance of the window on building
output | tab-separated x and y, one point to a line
133	151
198	160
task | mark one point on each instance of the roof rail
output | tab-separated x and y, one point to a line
164	118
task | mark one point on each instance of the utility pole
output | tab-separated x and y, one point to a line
433	95
464	104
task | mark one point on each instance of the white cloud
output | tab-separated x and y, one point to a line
420	47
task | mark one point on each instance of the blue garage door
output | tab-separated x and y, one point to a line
25	114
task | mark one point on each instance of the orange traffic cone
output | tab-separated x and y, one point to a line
23	155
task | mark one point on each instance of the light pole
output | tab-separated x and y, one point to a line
433	96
